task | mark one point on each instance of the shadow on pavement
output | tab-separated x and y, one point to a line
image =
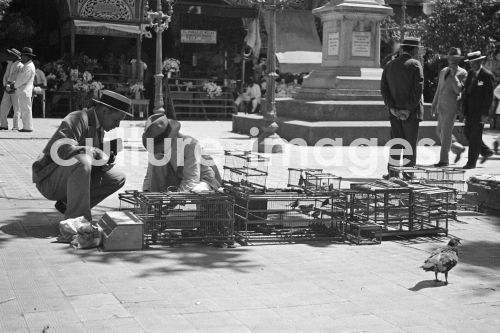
427	284
480	253
171	260
33	224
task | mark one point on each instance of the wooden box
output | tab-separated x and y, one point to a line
122	231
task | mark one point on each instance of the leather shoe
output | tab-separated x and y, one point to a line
25	130
60	206
468	167
441	164
457	158
4	128
495	147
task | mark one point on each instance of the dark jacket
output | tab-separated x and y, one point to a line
478	94
402	85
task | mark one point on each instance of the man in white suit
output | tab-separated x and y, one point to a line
9	99
24	88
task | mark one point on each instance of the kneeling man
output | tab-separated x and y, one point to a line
175	160
73	168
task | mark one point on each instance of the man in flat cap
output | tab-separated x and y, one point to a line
9	99
477	100
73	169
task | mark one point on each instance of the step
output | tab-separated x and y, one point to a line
334	110
347	131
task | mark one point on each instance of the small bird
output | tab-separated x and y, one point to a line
443	259
294	204
302	181
316	213
325	202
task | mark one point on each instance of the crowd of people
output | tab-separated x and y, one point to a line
468	95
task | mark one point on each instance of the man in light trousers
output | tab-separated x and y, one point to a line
9	99
24	88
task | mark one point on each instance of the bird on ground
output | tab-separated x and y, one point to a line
443	259
325	202
294	204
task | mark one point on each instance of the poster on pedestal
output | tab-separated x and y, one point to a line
361	44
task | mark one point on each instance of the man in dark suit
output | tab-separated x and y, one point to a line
73	168
402	85
477	99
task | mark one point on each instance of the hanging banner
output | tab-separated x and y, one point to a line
199	36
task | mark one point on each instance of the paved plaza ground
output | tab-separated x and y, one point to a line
314	287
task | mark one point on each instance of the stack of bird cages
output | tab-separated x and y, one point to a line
382	204
245	170
181	217
128	200
432	209
286	216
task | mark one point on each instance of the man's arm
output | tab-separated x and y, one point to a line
384	90
71	130
435	100
417	87
488	94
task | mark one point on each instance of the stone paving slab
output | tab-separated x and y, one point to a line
315	287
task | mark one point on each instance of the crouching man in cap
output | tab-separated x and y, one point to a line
175	160
73	169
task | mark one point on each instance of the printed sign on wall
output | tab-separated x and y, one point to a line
333	43
199	36
361	43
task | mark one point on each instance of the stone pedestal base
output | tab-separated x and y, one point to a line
270	145
349	83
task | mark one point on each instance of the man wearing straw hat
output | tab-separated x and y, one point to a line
73	168
402	85
477	99
24	88
446	103
9	99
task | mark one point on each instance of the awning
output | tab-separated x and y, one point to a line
298	47
100	28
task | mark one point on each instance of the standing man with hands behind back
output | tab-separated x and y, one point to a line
9	99
402	85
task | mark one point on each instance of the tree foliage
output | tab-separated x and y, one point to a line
468	24
17	27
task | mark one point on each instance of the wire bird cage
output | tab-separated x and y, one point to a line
128	200
382	204
296	177
245	170
321	182
179	217
287	216
416	173
433	207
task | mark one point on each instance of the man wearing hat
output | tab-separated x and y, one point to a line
175	160
73	169
24	88
9	99
446	104
402	85
477	99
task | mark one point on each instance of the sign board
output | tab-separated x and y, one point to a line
361	44
199	36
333	43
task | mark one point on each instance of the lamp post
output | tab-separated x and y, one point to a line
268	140
403	19
158	22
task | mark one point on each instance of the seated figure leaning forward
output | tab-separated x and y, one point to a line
175	160
73	168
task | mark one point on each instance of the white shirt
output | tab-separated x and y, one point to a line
25	78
